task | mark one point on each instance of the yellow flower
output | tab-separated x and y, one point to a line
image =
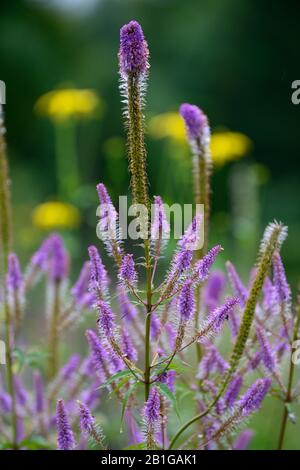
167	125
51	215
62	104
227	146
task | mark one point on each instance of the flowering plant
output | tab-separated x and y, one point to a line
166	340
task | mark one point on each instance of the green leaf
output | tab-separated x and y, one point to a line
138	446
121	384
169	395
35	443
117	376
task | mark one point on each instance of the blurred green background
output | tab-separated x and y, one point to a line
235	59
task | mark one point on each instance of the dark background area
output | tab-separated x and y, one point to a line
235	59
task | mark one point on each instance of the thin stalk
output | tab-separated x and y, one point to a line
288	397
6	242
148	321
53	333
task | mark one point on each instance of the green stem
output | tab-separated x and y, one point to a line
6	242
68	176
53	334
288	397
148	320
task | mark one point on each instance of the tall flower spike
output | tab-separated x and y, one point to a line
128	310
40	399
133	62
127	272
216	319
59	265
152	407
198	134
98	274
160	228
15	287
281	285
88	426
105	319
80	287
108	229
99	354
65	437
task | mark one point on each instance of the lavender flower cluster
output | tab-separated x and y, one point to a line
147	331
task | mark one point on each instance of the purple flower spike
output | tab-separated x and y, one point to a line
127	346
127	271
87	422
194	119
59	266
243	440
128	310
183	260
106	318
152	407
155	326
65	437
220	314
233	390
214	289
267	354
203	266
280	282
98	278
133	53
252	399
187	300
80	288
5	402
238	287
99	353
70	367
38	386
21	393
14	276
169	378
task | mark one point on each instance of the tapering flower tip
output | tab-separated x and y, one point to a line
59	266
191	236
220	314
187	300
233	390
160	228
39	392
65	437
133	53
98	352
80	287
274	231
107	207
70	367
87	422
281	285
98	274
152	407
14	276
253	398
203	266
267	355
211	361
243	440
127	272
236	284
195	121
127	346
106	318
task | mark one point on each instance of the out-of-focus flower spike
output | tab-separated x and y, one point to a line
243	440
169	378
267	355
128	310
88	425
127	346
65	437
70	368
106	317
236	284
108	229
99	355
38	264
39	392
80	287
270	298
214	289
216	319
283	292
15	288
152	408
155	327
21	392
59	259
254	396
233	390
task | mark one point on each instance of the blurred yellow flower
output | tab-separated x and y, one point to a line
64	103
167	125
52	215
227	146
